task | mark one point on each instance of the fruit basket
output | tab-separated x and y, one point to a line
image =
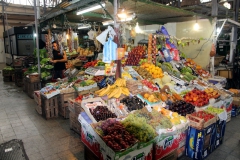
201	119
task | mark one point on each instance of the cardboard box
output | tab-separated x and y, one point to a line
88	136
133	153
164	145
235	111
227	103
182	143
236	101
219	133
199	142
94	142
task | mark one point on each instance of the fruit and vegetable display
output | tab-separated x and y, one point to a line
155	71
187	73
135	55
115	90
143	73
98	78
115	135
133	103
8	68
79	98
202	115
84	52
102	113
151	97
150	85
197	98
212	93
139	127
174	117
213	110
135	87
83	83
71	53
90	64
181	107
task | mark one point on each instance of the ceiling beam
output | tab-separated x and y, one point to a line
19	13
74	6
15	24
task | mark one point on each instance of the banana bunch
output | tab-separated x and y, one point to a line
126	75
115	90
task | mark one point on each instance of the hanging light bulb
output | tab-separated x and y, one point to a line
196	26
137	28
122	14
67	36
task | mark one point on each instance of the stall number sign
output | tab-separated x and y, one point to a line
25	36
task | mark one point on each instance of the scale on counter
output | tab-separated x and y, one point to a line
95	71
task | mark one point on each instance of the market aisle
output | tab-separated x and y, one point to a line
43	139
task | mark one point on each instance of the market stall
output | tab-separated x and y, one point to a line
148	101
164	105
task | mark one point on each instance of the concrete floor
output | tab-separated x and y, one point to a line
53	140
43	139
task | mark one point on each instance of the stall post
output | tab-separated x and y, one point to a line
116	28
37	37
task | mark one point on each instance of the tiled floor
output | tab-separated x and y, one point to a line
53	140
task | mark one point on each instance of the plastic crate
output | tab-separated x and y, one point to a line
49	107
33	87
63	103
74	123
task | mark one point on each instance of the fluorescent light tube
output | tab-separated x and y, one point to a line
105	23
92	8
83	27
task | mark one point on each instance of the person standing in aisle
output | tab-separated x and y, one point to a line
59	59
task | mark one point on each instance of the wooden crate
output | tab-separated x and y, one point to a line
229	115
171	156
75	125
38	108
199	123
17	63
37	97
7	79
227	73
49	107
63	103
33	87
6	73
25	84
34	78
